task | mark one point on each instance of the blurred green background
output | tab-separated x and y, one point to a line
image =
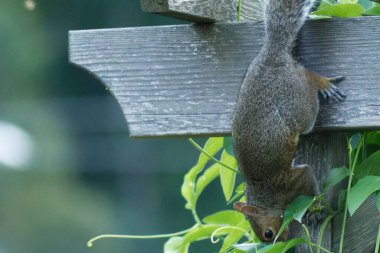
68	170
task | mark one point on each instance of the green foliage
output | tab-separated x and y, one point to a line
227	217
346	9
189	186
341	10
361	191
335	176
227	177
231	227
295	211
228	145
280	247
226	223
235	236
370	166
374	11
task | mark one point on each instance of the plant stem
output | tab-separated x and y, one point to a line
328	206
90	242
213	240
322	231
196	217
352	167
210	156
239	10
320	248
308	238
377	242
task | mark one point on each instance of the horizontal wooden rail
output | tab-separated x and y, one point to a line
203	11
193	10
184	80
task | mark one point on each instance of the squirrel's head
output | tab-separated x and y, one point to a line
265	222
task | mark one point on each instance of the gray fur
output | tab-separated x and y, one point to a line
265	130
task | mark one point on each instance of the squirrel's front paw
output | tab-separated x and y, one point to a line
315	215
313	218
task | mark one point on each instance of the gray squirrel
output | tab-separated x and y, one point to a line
277	102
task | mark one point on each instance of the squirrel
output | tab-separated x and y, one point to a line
278	101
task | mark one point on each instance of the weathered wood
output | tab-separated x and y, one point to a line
201	11
323	152
193	10
361	229
184	80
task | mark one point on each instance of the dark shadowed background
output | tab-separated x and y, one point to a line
68	170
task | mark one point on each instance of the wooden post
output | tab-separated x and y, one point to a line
184	80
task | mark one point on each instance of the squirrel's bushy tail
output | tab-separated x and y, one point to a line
283	20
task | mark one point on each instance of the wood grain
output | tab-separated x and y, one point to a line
184	80
324	152
199	11
361	229
203	11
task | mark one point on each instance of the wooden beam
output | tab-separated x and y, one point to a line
201	11
324	152
184	80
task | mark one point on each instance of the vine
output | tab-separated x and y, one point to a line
230	227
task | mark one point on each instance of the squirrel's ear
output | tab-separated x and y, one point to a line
245	208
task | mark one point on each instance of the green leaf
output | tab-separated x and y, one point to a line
181	244
227	217
235	251
212	146
366	4
369	167
228	146
228	177
341	10
354	141
347	1
374	11
378	201
295	211
251	247
361	191
239	191
174	245
299	206
203	232
373	137
205	179
234	236
326	3
282	247
335	176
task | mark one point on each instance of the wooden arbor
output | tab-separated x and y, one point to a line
183	81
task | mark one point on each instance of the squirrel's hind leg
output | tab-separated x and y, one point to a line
326	85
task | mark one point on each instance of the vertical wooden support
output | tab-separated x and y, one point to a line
361	229
323	152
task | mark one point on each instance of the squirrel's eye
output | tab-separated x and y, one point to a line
268	234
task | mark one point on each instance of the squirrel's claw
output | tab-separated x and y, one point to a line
332	91
336	79
312	219
336	93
